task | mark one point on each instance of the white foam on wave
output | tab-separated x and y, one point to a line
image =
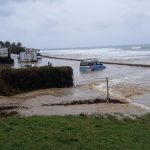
101	52
138	77
136	47
102	88
107	54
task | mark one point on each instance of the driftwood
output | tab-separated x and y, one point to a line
96	101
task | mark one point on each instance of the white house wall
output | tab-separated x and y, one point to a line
3	52
28	56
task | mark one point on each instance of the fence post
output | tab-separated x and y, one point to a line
107	89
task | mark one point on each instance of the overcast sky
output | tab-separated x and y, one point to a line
75	23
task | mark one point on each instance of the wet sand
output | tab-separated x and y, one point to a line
34	103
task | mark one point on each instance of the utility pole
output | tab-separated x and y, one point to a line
108	98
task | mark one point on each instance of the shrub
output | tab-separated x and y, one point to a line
20	80
6	60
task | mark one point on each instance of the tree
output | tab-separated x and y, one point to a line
19	44
2	44
15	48
13	45
7	44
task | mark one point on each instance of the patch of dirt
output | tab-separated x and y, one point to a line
4	114
7	110
71	100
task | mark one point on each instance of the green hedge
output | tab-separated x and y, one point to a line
6	60
13	81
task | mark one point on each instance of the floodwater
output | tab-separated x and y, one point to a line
143	100
125	82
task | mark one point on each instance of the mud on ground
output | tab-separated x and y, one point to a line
41	103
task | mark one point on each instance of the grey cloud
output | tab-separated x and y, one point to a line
20	1
137	20
64	23
2	2
6	13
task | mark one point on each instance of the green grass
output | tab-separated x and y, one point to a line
74	133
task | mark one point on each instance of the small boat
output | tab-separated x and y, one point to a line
91	64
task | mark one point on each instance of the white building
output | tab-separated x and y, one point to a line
28	56
4	52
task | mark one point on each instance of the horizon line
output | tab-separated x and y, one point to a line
84	47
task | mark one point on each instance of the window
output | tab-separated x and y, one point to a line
94	63
83	63
98	63
90	64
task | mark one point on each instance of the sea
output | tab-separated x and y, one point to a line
129	54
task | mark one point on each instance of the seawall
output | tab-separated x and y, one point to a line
104	62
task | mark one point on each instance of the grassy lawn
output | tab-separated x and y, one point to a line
74	133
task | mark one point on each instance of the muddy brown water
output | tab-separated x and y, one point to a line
124	82
33	102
